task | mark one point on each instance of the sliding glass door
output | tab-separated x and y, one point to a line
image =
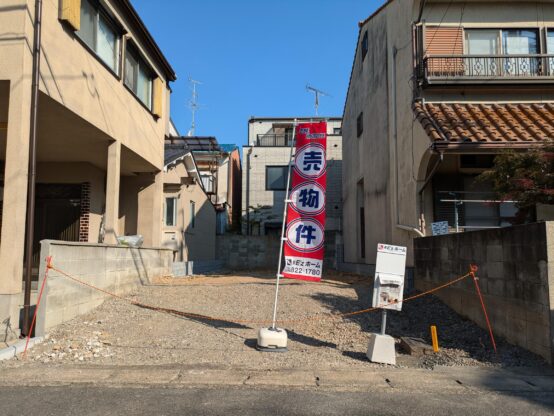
483	46
521	43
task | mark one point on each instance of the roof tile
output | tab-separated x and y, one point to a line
481	123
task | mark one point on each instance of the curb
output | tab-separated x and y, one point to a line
452	380
18	348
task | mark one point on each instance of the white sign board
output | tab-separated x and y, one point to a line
388	287
439	228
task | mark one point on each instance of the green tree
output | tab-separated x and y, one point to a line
524	176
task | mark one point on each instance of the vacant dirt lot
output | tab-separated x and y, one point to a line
123	334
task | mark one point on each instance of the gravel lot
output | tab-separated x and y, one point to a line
118	333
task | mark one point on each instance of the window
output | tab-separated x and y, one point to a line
521	42
170	211
276	178
138	76
100	34
360	124
337	131
550	50
207	183
483	45
192	210
364	45
482	42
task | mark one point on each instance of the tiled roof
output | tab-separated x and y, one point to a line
457	123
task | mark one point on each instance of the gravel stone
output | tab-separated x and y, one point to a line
118	333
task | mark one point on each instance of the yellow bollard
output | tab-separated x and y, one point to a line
435	338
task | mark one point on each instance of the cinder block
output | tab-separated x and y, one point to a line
495	253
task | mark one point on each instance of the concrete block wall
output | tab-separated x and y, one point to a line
116	269
240	252
516	277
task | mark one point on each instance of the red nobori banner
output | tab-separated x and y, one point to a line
306	211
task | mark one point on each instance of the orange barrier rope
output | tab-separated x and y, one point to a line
48	267
247	321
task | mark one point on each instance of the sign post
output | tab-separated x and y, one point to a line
388	293
302	233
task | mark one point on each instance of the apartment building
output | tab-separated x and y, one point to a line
103	113
264	178
438	88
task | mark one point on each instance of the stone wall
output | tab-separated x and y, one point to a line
241	252
116	269
516	276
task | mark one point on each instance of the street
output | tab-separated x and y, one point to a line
209	390
160	400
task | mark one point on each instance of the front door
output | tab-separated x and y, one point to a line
57	215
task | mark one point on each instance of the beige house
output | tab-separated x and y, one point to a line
437	88
103	113
219	167
189	223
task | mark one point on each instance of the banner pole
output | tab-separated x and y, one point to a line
283	227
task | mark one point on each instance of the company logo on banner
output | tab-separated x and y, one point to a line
306	211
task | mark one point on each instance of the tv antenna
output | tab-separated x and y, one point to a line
194	106
317	94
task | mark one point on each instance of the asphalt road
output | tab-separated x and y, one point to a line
159	400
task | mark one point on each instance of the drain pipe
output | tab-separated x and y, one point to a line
400	226
247	199
31	180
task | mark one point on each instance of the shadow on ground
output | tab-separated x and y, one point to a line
457	335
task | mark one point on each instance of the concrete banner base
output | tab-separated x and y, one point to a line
272	339
381	349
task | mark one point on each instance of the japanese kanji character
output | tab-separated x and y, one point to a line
313	160
308	231
309	198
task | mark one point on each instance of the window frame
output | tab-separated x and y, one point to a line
174	220
192	214
132	49
500	37
360	125
118	30
285	171
364	45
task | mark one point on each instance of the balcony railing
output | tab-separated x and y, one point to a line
478	68
273	140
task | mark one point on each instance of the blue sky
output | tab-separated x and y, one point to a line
255	57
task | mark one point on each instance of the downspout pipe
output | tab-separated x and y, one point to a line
247	201
400	226
32	170
421	7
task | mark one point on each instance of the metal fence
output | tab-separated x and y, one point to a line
487	66
467	210
274	140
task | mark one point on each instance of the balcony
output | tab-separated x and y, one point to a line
274	140
489	69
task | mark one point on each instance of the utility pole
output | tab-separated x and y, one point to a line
31	181
194	106
317	93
